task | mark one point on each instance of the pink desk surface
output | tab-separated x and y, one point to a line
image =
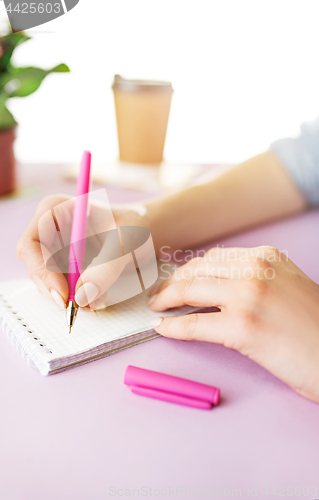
81	435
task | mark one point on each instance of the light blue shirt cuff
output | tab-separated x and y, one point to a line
300	156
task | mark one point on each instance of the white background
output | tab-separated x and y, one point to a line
245	72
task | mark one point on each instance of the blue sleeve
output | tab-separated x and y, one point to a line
300	156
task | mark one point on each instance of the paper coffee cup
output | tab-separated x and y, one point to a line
142	110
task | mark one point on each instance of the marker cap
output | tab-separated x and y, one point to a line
169	388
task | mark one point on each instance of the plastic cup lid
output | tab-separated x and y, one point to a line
137	85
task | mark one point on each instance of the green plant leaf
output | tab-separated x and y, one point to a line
21	82
60	68
18	82
6	118
8	43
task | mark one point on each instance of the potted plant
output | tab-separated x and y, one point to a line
14	82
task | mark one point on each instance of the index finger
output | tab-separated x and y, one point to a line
197	292
208	327
52	284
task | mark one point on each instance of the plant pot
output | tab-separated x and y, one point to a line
7	161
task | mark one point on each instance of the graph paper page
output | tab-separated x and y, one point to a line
48	323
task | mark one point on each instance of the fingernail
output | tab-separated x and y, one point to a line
86	294
156	321
152	299
57	298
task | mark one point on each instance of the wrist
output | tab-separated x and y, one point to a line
138	214
152	220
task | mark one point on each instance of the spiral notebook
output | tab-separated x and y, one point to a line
38	329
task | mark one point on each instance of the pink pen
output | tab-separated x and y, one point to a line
78	235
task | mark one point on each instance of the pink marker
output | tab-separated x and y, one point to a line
172	389
78	235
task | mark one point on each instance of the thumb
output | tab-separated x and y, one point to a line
97	279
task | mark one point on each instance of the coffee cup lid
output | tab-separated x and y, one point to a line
126	85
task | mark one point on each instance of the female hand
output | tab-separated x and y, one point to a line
269	310
36	252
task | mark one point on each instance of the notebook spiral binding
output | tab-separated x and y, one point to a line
19	333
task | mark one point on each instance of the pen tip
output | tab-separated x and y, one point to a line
70	329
